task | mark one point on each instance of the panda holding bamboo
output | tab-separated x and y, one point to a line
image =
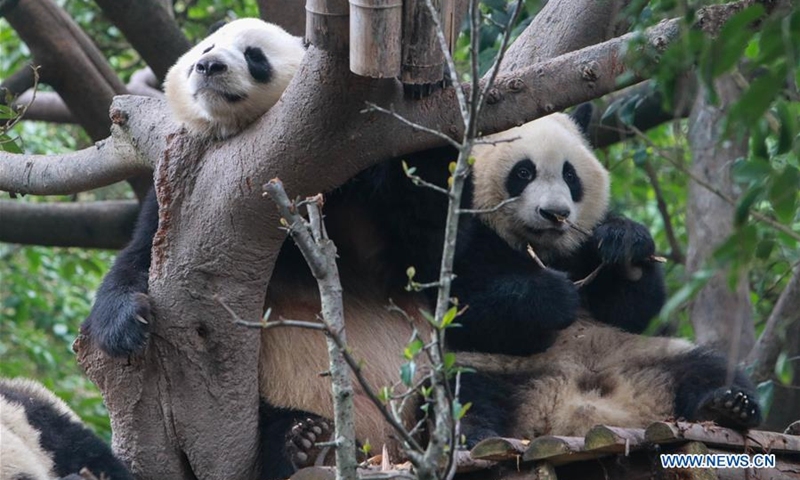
591	372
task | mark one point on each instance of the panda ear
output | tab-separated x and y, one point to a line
582	116
216	26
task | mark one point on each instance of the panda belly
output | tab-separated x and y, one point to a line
293	360
593	374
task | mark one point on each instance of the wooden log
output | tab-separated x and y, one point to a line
558	450
328	24
466	463
375	37
694	448
713	435
499	449
614	439
423	62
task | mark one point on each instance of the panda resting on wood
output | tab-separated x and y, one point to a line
593	373
41	438
215	90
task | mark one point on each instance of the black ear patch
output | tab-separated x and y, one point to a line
258	65
522	174
582	116
573	181
216	26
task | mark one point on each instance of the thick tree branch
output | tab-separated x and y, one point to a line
87	225
786	313
16	83
570	25
131	150
150	29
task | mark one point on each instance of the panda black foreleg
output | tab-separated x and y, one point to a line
492	406
629	289
702	391
287	440
117	320
512	314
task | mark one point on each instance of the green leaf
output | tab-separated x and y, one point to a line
460	410
413	348
783	193
384	394
449	316
407	372
788	128
685	293
758	141
759	95
745	204
449	360
729	46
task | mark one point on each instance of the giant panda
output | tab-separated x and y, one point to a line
215	90
41	438
232	77
561	212
593	373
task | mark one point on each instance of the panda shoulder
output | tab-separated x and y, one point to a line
30	393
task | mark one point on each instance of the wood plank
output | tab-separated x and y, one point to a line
558	450
499	449
713	435
614	439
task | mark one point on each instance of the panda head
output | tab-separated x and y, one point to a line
232	77
549	165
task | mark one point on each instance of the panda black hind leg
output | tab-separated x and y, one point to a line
702	392
118	320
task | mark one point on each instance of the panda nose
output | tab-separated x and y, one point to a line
209	67
555	214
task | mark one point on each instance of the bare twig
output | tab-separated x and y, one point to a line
588	279
675	247
320	254
535	257
497	207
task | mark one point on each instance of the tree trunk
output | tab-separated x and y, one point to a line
720	316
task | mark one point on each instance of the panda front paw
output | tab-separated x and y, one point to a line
557	302
118	323
302	439
621	241
731	407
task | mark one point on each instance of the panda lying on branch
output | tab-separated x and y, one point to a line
593	373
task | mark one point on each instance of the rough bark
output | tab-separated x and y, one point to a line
86	225
720	316
139	20
289	14
570	26
16	83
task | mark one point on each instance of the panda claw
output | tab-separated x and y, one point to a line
301	445
732	408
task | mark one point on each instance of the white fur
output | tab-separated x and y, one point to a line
200	103
21	455
548	142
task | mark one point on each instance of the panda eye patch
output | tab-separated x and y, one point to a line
258	64
572	180
522	174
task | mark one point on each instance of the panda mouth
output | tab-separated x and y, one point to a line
228	96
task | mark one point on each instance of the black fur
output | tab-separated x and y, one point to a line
71	445
613	297
703	392
114	323
493	405
514	306
276	427
258	65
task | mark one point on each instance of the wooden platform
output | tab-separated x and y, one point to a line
610	453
